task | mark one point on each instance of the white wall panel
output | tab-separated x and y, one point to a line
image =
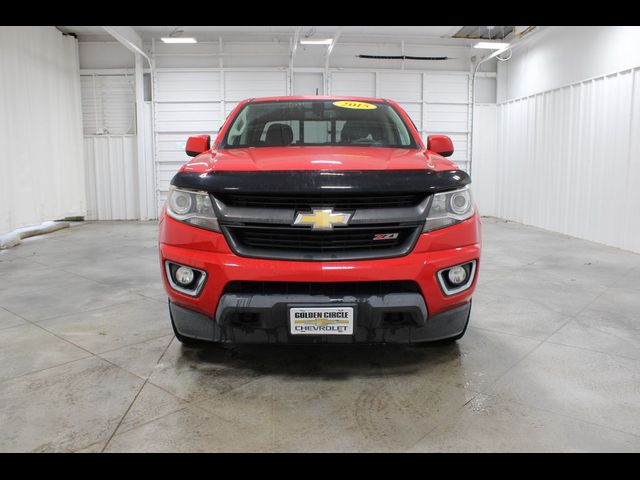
105	55
241	85
41	167
485	152
485	89
446	118
111	177
359	84
108	104
188	117
446	88
400	86
568	160
187	86
112	173
308	83
567	54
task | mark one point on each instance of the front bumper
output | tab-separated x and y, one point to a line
273	327
435	315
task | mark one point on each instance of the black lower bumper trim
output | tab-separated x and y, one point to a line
261	320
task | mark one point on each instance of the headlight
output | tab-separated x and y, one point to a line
449	208
192	207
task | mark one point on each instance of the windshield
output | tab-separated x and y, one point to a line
318	123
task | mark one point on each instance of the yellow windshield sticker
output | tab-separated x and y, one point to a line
356	105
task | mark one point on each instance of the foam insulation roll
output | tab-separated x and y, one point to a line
15	238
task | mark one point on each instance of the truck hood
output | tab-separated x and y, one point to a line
315	158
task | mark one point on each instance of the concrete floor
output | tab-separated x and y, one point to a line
88	361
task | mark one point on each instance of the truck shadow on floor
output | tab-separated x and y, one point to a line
326	361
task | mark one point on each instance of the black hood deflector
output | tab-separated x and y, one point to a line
323	181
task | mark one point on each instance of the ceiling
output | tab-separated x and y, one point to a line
486	33
365	34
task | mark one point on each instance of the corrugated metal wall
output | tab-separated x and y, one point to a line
111	177
485	152
111	170
41	167
569	160
192	101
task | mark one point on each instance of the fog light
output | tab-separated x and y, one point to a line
457	275
183	279
457	279
184	275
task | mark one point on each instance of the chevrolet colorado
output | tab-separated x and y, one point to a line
316	220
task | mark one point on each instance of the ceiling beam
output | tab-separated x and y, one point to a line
128	37
452	32
331	46
294	47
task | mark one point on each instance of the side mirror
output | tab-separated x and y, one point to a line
440	144
198	144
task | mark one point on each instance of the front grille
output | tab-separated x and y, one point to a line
341	243
329	289
261	225
339	202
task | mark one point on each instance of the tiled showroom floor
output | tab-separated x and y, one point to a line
88	361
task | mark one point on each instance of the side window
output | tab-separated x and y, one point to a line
238	131
404	135
339	126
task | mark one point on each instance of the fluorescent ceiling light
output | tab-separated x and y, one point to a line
491	45
179	40
321	41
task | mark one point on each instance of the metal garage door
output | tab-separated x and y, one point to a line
109	122
436	102
192	101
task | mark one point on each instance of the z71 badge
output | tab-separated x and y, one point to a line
385	236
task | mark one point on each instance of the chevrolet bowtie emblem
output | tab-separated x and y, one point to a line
322	219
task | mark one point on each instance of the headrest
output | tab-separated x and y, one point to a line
355	130
279	134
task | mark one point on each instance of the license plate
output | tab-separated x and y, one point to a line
321	320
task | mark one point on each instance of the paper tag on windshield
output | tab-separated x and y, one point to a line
354	105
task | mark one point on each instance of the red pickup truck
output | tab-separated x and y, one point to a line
317	220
